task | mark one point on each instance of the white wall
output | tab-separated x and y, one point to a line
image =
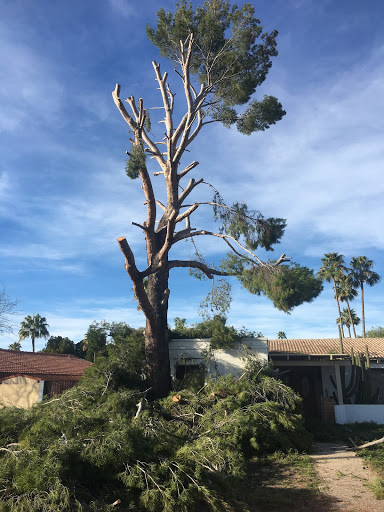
190	352
359	413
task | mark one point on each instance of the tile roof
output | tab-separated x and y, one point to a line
38	364
327	346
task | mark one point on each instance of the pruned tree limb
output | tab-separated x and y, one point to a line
367	445
137	280
187	169
209	272
187	213
133	124
188	189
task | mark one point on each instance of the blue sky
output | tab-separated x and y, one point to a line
64	196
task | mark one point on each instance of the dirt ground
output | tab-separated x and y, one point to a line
345	478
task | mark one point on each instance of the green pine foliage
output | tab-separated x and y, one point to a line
229	39
260	115
231	55
86	449
287	286
239	222
136	161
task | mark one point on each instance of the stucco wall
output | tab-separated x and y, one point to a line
190	352
19	392
359	413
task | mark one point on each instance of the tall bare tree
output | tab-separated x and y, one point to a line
221	56
7	309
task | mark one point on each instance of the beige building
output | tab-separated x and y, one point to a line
27	377
187	354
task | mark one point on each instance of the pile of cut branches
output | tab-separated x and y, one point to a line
105	446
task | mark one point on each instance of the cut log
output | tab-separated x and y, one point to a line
367	445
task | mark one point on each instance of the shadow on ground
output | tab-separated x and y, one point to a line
280	489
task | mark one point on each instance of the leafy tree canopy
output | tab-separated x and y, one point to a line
60	345
375	332
231	56
95	340
286	286
216	329
16	345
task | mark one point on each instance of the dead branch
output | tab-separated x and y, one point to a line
367	445
209	272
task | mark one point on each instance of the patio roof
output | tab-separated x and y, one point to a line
327	346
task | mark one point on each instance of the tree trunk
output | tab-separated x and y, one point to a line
350	319
33	343
362	307
156	337
338	307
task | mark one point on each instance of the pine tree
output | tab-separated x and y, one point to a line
222	56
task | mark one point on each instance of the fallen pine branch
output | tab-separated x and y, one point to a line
366	445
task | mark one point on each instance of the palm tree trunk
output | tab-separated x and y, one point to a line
338	307
362	307
33	342
350	319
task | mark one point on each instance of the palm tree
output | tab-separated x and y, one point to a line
281	335
348	318
16	345
346	292
361	273
330	271
355	319
33	327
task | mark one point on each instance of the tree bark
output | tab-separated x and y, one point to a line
351	320
338	307
156	336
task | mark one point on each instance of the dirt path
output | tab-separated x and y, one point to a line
344	478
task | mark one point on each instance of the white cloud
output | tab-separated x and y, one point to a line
124	8
29	92
4	184
321	167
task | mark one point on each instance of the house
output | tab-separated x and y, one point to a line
332	387
333	384
27	377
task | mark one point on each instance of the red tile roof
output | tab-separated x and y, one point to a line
41	364
327	346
